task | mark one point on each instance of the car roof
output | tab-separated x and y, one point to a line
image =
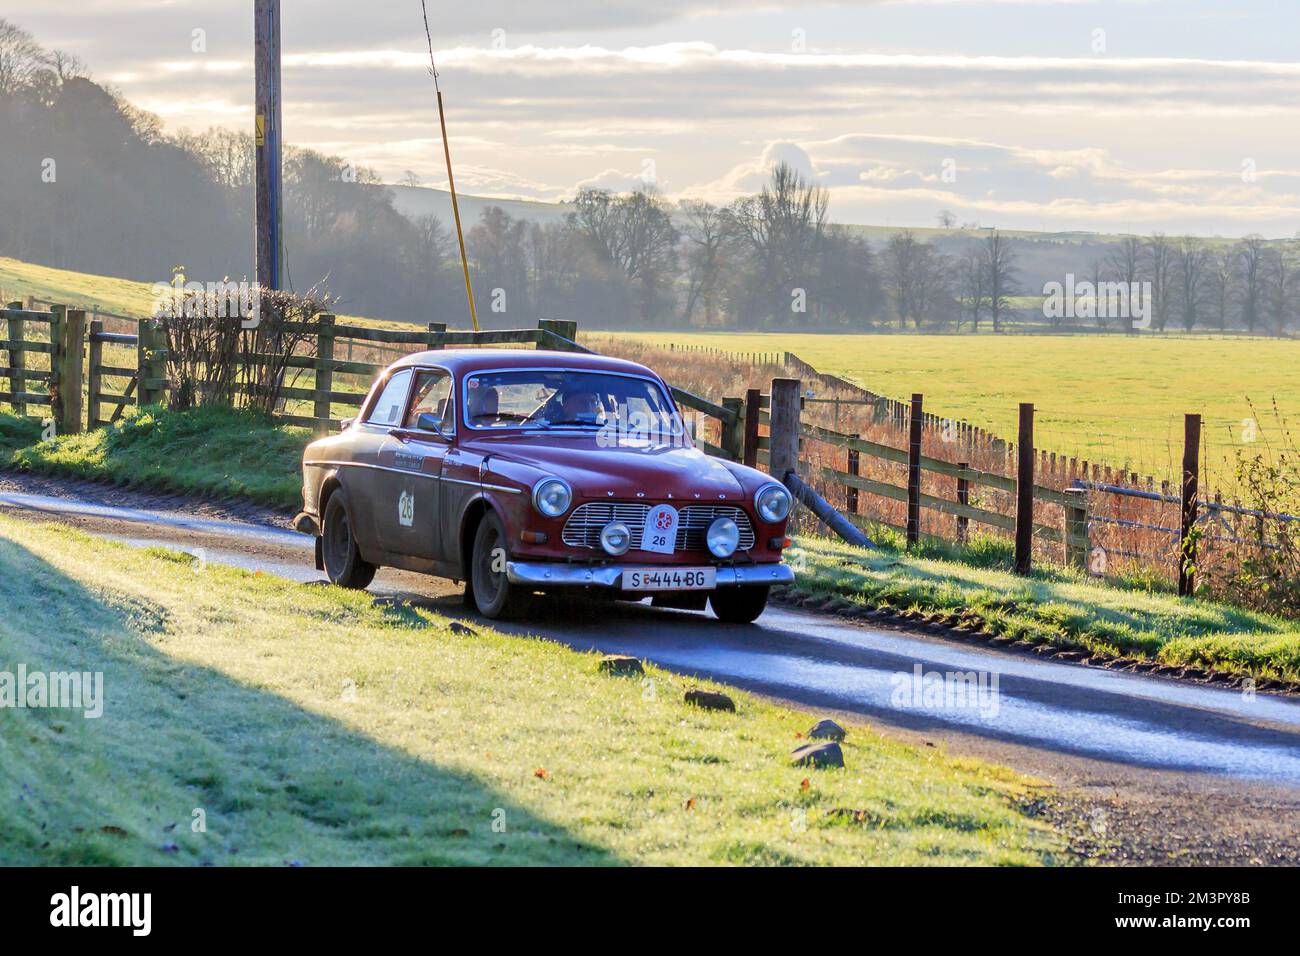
473	360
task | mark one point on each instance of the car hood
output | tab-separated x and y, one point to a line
594	468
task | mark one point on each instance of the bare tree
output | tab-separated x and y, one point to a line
706	235
782	231
1098	276
1222	274
1125	265
1000	270
947	219
1158	257
1250	272
1191	263
1281	272
633	233
21	58
972	287
916	279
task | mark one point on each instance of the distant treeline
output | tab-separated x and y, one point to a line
88	182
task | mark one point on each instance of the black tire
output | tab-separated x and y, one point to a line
493	594
344	565
739	605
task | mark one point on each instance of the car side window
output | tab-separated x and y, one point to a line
432	397
388	408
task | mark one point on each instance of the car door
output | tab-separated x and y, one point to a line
410	468
364	481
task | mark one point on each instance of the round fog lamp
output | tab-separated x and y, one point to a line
615	538
723	538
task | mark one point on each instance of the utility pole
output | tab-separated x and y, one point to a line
266	57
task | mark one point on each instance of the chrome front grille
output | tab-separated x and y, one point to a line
583	528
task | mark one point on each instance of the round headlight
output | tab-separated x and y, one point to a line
616	538
772	503
552	497
723	538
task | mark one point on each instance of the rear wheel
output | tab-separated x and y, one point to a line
739	605
493	594
344	565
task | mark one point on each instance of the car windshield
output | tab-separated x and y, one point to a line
551	398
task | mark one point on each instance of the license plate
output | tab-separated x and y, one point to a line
670	579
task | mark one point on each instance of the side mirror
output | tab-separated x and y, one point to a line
346	424
428	422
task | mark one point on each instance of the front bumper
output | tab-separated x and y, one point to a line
545	574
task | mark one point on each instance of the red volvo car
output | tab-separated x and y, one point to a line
521	471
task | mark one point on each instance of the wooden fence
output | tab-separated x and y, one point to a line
137	363
45	371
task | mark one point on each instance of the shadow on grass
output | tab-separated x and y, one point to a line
274	783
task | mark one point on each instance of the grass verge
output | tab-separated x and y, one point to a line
1056	606
305	724
216	452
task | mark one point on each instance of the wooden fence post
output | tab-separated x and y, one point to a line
1025	490
784	451
1191	487
914	470
17	362
436	332
732	433
565	328
70	371
151	363
753	410
963	499
855	469
94	378
57	315
324	373
1077	545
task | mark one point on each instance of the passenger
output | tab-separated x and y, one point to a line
484	406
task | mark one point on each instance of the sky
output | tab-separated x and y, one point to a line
1180	116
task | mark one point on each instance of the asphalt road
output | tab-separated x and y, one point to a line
1121	739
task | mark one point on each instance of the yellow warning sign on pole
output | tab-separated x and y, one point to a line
259	136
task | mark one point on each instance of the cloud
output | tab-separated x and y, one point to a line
542	99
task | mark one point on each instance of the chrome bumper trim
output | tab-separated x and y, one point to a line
558	574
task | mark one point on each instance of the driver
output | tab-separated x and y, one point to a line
579	406
484	404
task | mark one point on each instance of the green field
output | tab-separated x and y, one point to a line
1102	398
313	726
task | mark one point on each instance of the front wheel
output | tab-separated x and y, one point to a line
493	594
739	605
342	559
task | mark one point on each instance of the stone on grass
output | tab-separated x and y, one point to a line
818	755
827	730
710	700
620	665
